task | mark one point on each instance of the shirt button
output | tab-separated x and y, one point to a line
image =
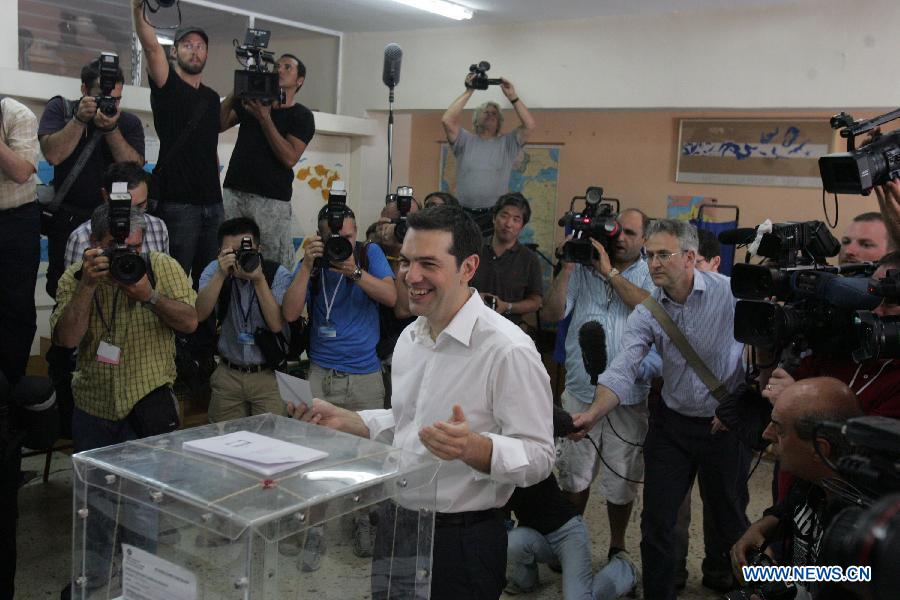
865	376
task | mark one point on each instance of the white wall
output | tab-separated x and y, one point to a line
822	53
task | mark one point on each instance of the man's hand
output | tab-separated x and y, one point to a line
750	542
508	89
320	412
140	290
101	121
86	110
313	248
227	259
779	380
262	112
448	440
498	304
583	423
602	264
345	267
468	81
95	267
717	426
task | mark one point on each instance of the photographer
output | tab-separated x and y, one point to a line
271	139
865	239
440	199
244	383
509	276
485	158
606	292
684	437
186	118
804	515
66	131
876	382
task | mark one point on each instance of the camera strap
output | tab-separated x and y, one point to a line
69	181
715	387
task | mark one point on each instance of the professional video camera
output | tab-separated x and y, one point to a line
404	199
857	171
258	80
108	64
126	265
868	532
147	6
337	247
597	221
879	337
247	256
480	81
819	304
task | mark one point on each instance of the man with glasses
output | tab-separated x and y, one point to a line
270	141
66	130
186	118
606	292
684	437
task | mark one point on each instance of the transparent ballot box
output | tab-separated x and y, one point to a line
158	519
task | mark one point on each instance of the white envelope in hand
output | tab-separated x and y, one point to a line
293	390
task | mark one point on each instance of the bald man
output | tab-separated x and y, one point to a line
805	513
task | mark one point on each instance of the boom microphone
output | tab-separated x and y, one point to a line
741	235
390	75
592	339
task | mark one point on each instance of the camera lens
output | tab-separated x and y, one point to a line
127	267
249	260
338	249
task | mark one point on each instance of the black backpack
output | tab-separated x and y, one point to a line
275	347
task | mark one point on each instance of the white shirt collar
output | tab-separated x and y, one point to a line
460	326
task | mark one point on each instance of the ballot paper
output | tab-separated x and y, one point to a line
145	575
293	390
259	453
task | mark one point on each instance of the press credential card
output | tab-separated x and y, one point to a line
146	575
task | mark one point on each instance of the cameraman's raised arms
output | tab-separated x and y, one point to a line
450	120
157	65
528	124
889	201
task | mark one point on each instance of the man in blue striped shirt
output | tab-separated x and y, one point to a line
684	437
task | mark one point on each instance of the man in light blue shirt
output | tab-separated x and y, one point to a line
684	437
606	292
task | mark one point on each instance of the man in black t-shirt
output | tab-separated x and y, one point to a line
186	118
260	175
66	128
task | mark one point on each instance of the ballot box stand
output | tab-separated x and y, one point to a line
153	520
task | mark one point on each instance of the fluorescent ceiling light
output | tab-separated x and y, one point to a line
440	7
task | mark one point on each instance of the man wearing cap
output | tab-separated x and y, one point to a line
186	118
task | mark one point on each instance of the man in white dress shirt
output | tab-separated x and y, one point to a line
479	381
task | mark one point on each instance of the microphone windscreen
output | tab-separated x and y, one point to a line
592	339
741	235
393	55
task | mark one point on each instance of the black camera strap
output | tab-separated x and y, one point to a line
715	387
83	157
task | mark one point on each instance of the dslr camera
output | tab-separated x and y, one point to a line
597	221
247	256
258	79
108	65
337	247
480	81
404	199
125	264
769	590
857	171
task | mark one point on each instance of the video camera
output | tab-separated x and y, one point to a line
148	7
481	81
404	199
857	171
337	247
819	303
597	221
879	337
108	65
126	265
258	80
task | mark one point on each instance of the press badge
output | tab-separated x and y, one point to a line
245	338
108	354
328	330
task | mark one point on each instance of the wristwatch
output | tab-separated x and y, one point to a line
612	273
151	302
357	274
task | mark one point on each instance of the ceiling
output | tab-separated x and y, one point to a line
386	15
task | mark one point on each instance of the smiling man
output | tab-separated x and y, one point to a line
477	384
509	276
684	438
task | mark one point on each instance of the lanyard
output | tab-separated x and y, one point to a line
111	326
245	316
858	369
330	303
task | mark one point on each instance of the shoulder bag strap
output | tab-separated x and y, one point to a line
69	181
716	387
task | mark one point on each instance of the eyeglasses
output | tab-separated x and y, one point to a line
663	257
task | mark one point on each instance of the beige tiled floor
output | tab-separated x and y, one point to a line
46	511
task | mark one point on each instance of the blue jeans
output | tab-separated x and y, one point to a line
570	547
193	234
20	253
